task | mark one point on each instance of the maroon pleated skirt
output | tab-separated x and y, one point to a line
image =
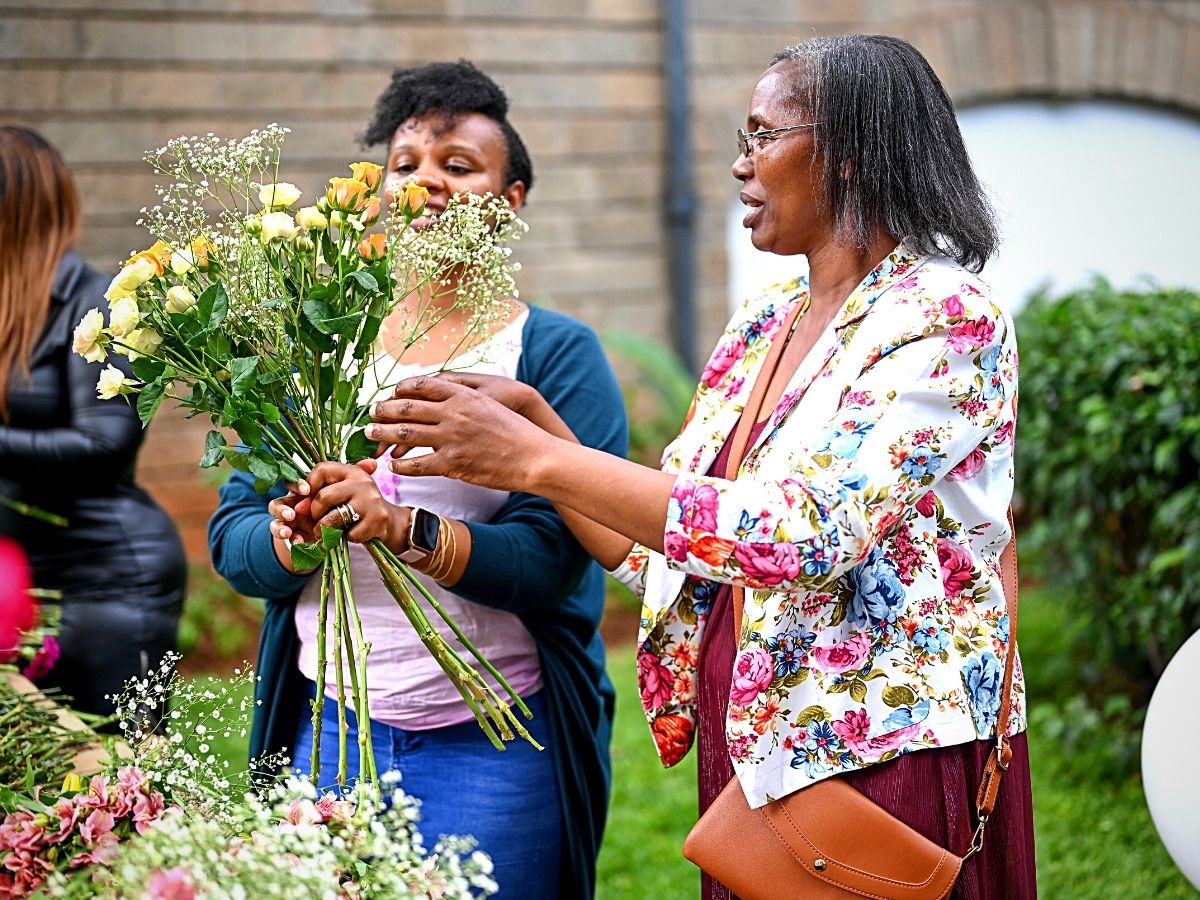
932	791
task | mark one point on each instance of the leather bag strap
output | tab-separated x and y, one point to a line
1001	755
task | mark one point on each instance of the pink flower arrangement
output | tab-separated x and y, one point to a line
752	674
79	830
172	884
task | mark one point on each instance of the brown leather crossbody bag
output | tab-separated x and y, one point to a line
829	840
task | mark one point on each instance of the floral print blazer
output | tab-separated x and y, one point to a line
866	525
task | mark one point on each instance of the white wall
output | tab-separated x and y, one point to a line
1081	188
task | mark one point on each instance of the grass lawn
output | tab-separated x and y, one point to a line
1094	836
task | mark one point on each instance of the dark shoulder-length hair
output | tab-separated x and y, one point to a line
39	221
893	156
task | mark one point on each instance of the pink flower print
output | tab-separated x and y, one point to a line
958	568
927	505
753	673
98	824
675	546
1003	433
968	468
893	740
853	728
735	387
740	746
768	564
698	503
724	358
952	307
171	884
785	405
971	335
385	479
844	657
43	661
656	681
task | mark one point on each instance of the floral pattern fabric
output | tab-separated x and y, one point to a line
866	525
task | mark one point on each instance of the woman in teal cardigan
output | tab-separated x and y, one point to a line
522	560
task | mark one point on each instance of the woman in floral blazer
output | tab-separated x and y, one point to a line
866	521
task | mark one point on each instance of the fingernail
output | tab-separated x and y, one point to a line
303	488
375	407
371	431
288	514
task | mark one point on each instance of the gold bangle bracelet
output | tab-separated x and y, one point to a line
451	554
443	561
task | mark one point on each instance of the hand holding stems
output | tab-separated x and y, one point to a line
507	437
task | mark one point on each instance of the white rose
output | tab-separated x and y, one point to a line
278	195
142	342
183	261
310	217
134	275
179	299
123	317
277	225
112	380
86	341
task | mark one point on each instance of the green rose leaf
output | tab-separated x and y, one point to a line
243	373
149	399
306	556
212	306
148	368
365	280
238	459
330	537
263	466
214	444
360	447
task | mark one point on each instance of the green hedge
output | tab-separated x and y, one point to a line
1107	459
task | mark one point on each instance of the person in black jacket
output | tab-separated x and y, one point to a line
118	561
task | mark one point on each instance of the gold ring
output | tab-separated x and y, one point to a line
348	513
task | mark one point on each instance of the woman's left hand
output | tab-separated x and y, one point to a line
337	490
474	438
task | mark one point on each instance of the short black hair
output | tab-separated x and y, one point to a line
893	154
448	89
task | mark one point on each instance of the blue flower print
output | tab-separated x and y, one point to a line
989	364
878	591
789	650
704	592
1002	630
921	461
819	554
931	636
906	715
818	753
981	677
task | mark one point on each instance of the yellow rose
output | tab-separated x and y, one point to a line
123	317
279	195
411	199
373	247
179	299
138	271
311	218
183	261
142	342
368	173
87	340
370	213
277	226
346	194
202	248
112	382
157	255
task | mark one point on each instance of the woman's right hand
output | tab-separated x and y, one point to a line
521	398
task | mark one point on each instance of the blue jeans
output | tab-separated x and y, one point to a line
508	800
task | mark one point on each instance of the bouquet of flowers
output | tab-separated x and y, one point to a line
269	321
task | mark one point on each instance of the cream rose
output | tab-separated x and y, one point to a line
123	317
278	195
86	341
183	261
310	217
134	275
142	342
111	382
179	299
277	225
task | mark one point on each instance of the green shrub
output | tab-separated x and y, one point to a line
658	390
1108	450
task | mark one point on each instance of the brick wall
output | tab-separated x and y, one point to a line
107	79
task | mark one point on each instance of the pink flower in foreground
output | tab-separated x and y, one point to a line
96	825
43	661
656	681
171	884
752	674
147	810
17	609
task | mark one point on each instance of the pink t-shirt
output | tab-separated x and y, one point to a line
405	686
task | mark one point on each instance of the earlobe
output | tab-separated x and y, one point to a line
515	195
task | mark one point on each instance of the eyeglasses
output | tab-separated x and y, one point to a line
748	143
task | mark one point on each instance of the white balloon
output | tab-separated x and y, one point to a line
1170	776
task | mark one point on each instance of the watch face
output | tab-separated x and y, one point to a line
425	530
